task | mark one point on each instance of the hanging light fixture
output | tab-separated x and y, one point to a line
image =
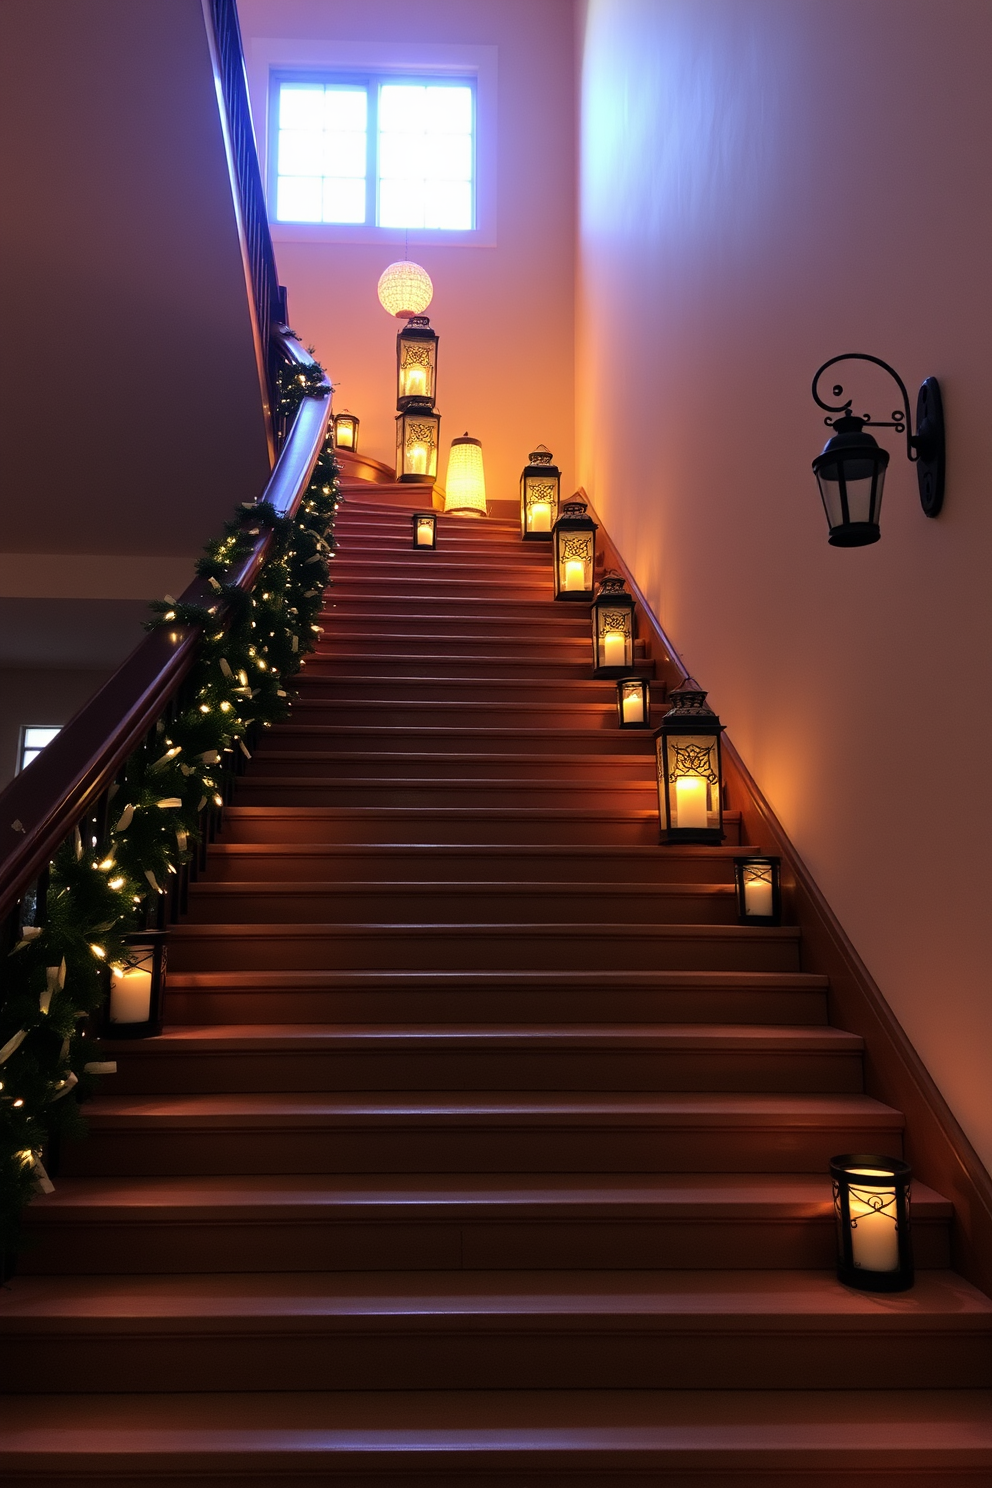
540	488
405	289
634	702
465	487
872	1208
134	1006
345	427
759	895
690	772
425	530
612	627
416	361
418	429
574	539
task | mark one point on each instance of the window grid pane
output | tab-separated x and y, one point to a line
425	156
33	741
321	153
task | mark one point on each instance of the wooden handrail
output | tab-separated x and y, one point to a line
42	805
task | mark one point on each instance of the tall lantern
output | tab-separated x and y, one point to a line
418	429
574	537
134	1006
465	486
540	489
871	1205
416	361
612	628
633	702
690	775
345	431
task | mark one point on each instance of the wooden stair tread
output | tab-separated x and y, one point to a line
472	980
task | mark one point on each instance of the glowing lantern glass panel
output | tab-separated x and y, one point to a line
540	489
425	530
134	1004
850	473
759	895
633	702
418	428
345	431
574	538
416	362
612	627
405	289
872	1208
690	781
465	486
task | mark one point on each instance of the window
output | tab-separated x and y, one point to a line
33	741
388	151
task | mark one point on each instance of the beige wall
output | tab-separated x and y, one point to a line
765	184
29	696
504	313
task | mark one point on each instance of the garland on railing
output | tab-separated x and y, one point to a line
99	890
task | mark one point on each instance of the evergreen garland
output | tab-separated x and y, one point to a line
102	886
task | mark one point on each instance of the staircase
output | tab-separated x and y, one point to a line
483	1145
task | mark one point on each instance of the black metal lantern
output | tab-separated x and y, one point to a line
634	702
425	530
345	431
612	628
540	489
851	469
872	1208
690	770
574	536
759	893
134	1003
416	361
418	429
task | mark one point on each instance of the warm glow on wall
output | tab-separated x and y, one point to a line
465	487
405	289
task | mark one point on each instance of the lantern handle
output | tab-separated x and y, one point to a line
902	421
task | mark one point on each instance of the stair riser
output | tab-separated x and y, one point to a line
389	612
601	770
417	589
339	637
279	864
411	570
439	662
307	790
495	563
373	715
546	630
602	746
428	686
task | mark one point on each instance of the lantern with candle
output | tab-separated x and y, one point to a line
759	898
465	484
134	1004
345	426
425	530
416	361
871	1204
540	488
634	702
418	429
574	539
612	627
690	778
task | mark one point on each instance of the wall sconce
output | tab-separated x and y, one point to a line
465	486
540	489
690	768
634	702
851	470
871	1203
416	361
345	431
759	894
134	1005
425	530
574	537
418	429
612	627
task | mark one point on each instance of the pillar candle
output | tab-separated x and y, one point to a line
614	649
690	801
130	995
757	895
415	382
633	707
874	1239
540	517
346	435
575	574
425	535
416	459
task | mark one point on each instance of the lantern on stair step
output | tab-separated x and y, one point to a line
759	895
425	530
416	361
574	548
612	627
418	429
134	1003
634	702
540	489
690	773
872	1209
465	483
345	426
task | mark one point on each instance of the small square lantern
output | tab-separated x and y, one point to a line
418	429
872	1208
540	489
574	538
425	530
690	772
634	702
612	628
759	895
416	361
345	431
134	1005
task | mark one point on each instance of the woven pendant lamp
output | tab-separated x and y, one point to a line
405	289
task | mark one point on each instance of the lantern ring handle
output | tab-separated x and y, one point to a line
902	423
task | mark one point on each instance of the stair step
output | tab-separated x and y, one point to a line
439	791
532	665
388	766
414	640
440	741
431	688
579	719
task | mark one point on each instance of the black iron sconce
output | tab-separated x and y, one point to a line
851	470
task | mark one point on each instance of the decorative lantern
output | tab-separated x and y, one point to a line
345	431
540	488
634	702
405	289
871	1204
416	361
134	1006
418	428
759	895
465	487
850	473
612	627
425	530
574	537
690	778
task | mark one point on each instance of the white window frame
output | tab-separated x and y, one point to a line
23	745
270	59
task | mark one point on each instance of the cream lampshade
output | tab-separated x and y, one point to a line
405	289
465	488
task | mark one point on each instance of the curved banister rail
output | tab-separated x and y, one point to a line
42	805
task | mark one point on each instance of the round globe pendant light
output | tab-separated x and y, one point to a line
405	289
